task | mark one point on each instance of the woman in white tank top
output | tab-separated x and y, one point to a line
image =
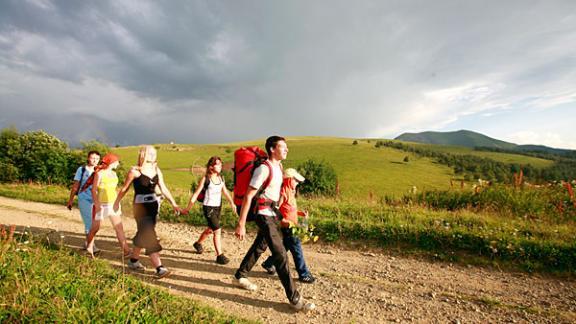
209	192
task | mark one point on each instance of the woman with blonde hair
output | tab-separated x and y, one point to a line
146	178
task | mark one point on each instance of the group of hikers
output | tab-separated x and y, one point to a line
268	198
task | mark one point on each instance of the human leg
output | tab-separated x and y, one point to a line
85	207
119	229
273	237
258	247
90	237
293	244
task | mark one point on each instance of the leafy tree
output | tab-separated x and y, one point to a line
320	177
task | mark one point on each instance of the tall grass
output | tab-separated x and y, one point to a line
496	224
46	283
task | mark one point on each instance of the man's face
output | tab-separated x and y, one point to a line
93	160
280	152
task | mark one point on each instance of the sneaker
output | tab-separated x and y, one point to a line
162	272
198	247
303	305
244	283
308	279
269	270
222	259
138	266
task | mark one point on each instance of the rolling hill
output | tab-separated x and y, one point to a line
472	139
363	170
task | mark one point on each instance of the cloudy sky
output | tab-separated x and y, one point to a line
134	71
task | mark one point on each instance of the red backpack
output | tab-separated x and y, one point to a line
246	159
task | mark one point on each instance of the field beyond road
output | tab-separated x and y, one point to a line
363	170
355	284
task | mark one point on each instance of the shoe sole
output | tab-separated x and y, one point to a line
236	284
164	275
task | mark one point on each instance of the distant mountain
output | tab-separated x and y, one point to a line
459	138
472	139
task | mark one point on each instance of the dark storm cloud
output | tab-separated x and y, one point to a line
368	68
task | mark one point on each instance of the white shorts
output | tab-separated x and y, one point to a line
107	210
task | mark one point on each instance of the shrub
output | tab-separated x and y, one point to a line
320	177
406	159
355	142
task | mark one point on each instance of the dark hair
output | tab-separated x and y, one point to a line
212	161
271	143
92	152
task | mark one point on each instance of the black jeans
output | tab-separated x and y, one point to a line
270	236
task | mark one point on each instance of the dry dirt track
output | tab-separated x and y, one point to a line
352	286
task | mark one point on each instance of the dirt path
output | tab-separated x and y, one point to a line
352	286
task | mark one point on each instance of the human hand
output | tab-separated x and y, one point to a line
97	208
69	205
116	206
240	232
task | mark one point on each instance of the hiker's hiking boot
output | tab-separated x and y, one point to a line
244	283
308	279
162	272
303	305
198	247
136	266
222	259
269	270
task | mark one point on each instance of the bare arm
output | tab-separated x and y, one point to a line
241	228
129	178
229	198
73	192
165	191
95	199
196	193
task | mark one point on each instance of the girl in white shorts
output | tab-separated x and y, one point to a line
104	194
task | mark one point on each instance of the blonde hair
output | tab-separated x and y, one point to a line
146	154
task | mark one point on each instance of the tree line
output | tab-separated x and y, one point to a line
474	167
37	156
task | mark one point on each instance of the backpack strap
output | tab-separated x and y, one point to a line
80	182
262	203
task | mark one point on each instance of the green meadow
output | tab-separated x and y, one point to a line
363	170
529	227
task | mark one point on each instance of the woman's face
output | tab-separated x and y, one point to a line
114	165
217	167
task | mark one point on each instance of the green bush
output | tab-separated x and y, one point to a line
37	156
320	177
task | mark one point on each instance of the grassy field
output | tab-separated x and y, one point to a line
534	239
363	170
372	181
47	283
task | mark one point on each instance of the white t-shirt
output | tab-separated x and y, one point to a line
271	192
213	194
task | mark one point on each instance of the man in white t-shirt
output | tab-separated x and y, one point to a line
84	197
267	221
